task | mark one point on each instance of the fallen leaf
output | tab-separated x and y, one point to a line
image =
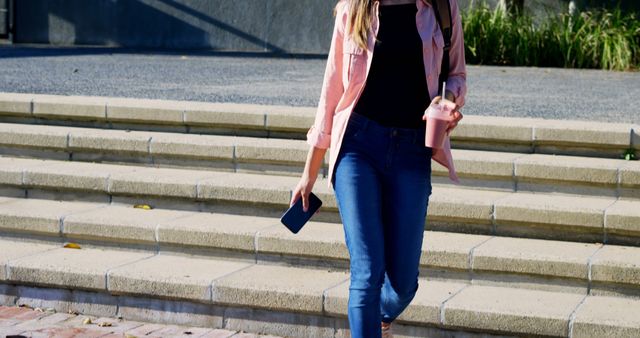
126	335
72	246
87	321
104	324
38	309
143	206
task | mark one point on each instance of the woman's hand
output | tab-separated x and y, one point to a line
302	190
309	176
457	115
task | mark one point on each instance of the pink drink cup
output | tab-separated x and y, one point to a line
438	118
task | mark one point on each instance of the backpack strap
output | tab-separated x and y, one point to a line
442	9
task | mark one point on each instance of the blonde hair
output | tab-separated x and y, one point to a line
359	19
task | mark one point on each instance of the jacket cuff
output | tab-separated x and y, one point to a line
459	93
318	139
458	90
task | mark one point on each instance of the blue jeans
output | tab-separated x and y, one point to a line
382	183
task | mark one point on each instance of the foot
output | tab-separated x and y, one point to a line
386	330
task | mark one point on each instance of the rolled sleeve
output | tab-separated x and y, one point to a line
318	138
319	134
457	80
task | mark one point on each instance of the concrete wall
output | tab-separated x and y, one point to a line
4	18
292	26
278	26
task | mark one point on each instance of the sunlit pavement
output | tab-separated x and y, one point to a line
34	323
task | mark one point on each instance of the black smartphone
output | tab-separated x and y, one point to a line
295	217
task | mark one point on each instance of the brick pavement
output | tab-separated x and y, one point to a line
23	321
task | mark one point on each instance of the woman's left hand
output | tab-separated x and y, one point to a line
457	115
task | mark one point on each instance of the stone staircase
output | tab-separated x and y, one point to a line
542	238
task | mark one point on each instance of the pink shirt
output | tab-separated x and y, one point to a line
348	66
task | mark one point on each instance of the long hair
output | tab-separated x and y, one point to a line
359	20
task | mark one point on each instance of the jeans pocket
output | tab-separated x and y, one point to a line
352	131
419	147
423	155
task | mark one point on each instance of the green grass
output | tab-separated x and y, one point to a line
605	39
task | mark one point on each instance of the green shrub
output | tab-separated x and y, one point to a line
593	39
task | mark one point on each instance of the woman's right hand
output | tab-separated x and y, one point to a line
309	175
302	190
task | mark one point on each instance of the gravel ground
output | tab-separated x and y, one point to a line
252	78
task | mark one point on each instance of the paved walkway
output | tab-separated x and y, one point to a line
20	322
250	78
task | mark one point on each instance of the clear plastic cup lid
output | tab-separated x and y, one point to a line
442	112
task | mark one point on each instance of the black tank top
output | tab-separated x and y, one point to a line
396	93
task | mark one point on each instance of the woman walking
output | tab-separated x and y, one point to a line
382	73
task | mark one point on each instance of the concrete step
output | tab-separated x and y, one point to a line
526	135
493	260
291	301
163	149
476	168
521	214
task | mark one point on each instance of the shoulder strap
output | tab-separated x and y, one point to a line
443	14
442	9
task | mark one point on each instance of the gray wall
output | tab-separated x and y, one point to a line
4	18
277	26
289	26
